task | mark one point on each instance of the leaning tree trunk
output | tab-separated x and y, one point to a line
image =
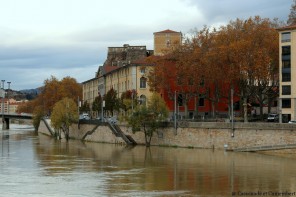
66	132
148	136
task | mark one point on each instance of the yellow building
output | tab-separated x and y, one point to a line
287	83
90	92
166	40
125	69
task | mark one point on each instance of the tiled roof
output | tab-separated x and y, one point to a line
108	68
290	27
167	31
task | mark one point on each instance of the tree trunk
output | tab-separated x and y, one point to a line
213	109
245	110
196	104
147	138
186	109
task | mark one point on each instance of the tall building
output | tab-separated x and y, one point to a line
287	62
126	69
165	41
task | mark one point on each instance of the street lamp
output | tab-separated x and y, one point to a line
8	97
3	97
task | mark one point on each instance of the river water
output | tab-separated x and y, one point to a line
36	165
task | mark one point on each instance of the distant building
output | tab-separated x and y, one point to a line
90	91
10	105
287	62
165	41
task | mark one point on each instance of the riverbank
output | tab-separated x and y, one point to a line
214	135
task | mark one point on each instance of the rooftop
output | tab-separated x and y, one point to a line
290	27
166	31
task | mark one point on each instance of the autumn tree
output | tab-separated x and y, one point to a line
128	100
64	114
38	113
292	15
111	101
52	92
149	119
170	76
246	52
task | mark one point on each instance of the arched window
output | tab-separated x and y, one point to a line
143	82
142	100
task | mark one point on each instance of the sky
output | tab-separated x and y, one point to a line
44	38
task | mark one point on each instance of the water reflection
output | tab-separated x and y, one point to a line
37	164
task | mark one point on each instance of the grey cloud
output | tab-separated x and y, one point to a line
226	10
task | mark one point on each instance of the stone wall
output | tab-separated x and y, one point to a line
197	135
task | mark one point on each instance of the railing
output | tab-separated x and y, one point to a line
118	133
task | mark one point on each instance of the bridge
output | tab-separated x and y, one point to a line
7	117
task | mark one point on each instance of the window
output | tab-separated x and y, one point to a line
286	50
286	90
180	100
168	43
286	37
142	100
143	82
142	70
286	103
286	64
286	77
201	102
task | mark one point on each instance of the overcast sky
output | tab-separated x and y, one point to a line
40	38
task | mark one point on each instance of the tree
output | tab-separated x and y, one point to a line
52	92
111	101
85	107
149	118
97	104
169	76
38	113
64	114
292	15
128	100
247	52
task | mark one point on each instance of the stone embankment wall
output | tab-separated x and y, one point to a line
197	134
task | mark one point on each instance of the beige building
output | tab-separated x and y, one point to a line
165	41
10	105
287	83
125	69
90	91
132	76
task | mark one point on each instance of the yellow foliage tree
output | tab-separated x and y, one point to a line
64	114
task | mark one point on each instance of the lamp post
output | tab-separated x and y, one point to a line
232	114
175	112
8	97
3	97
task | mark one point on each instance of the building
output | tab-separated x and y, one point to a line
90	91
126	69
10	105
165	41
287	83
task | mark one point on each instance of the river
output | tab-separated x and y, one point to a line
37	165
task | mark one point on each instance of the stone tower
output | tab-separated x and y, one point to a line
166	40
